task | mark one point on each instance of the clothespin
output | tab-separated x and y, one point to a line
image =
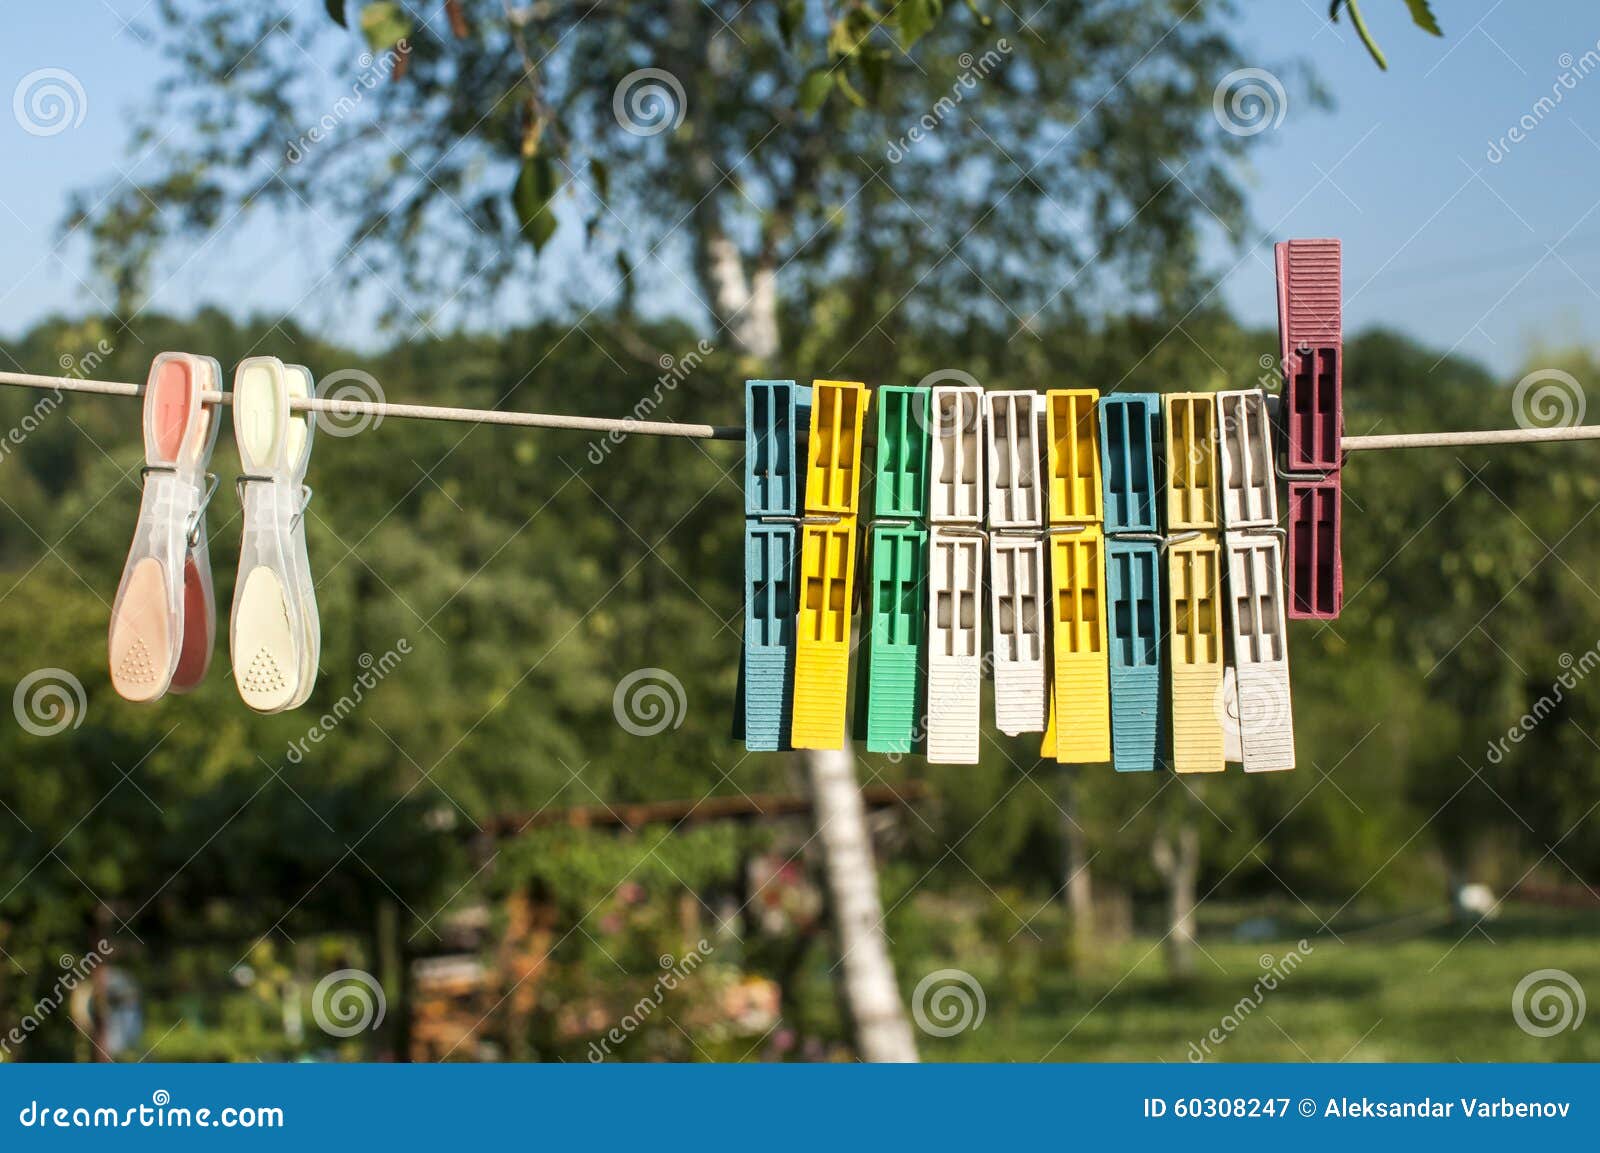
1261	716
1311	345
268	633
892	672
199	592
1194	583
1017	589
771	505
1130	424
1082	678
1258	725
955	575
827	564
151	619
303	385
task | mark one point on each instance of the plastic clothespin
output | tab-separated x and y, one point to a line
151	618
827	564
1017	589
1260	718
301	426
1082	676
1249	485
268	634
771	535
1194	583
199	592
1130	425
892	678
1311	343
955	575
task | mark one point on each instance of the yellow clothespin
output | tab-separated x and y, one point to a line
1081	690
827	564
1194	583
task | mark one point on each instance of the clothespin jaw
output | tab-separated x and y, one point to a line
1311	344
827	564
148	617
1018	591
771	480
1249	484
1128	454
955	494
199	592
1082	671
955	668
1261	719
901	482
1191	427
1133	580
1194	604
1073	437
1316	569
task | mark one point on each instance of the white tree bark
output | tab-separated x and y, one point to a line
748	307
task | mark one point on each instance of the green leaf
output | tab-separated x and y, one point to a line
384	24
916	19
850	32
531	198
1422	16
850	92
874	68
814	89
336	12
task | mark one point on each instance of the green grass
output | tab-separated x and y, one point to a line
1434	994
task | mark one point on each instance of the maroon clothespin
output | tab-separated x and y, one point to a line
1311	345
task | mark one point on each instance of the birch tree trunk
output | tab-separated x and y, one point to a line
747	307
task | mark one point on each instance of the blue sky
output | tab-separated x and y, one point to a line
1489	257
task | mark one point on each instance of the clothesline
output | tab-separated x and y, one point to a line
385	409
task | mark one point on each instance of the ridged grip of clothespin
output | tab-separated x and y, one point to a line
1191	461
955	667
1311	345
1082	677
1249	484
1133	580
1194	603
1261	715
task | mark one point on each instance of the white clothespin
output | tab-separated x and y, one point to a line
1260	714
955	576
1258	724
1017	589
151	617
1249	487
268	634
301	425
